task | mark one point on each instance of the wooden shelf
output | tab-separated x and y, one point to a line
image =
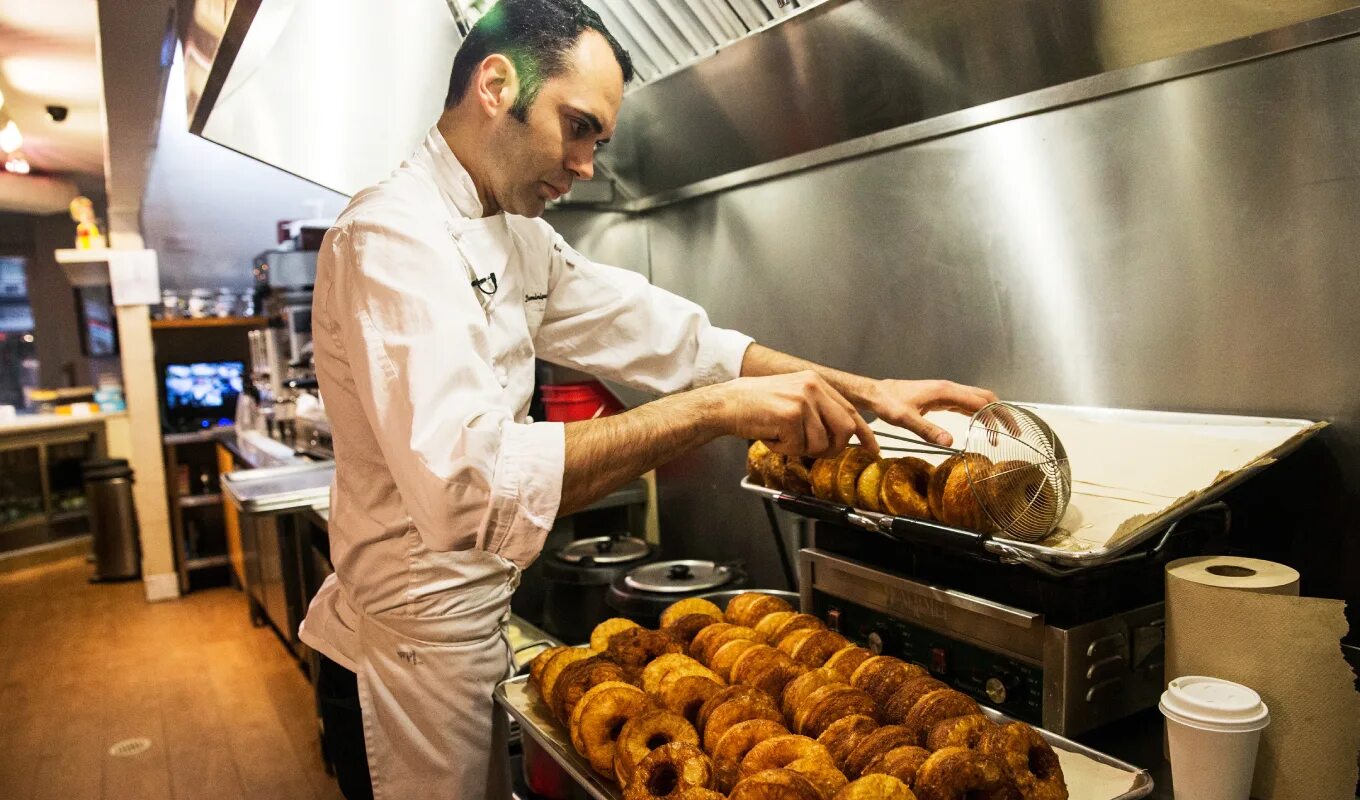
30	521
208	322
197	500
68	516
207	562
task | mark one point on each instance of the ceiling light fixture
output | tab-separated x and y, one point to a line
10	137
17	164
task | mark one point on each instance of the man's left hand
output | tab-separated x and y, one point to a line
905	403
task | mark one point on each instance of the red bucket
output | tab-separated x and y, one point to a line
572	402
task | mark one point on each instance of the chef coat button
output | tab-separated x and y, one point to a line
502	376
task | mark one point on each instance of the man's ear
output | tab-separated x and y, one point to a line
496	84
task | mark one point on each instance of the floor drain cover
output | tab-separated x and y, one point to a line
130	747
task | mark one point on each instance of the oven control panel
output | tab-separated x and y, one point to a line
995	679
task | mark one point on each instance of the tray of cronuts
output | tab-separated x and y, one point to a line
760	702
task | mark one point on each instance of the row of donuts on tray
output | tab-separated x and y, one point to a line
904	487
763	703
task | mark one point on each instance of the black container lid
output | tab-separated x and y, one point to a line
680	577
605	550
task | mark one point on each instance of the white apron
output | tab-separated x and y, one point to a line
425	685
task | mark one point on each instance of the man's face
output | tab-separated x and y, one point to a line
537	160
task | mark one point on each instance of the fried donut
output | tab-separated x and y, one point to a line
797	476
775	467
580	677
734	711
703	637
958	501
769	624
935	487
735	743
669	771
794	638
841	737
598	719
1029	760
797	622
730	693
799	688
823	475
774	784
755	457
904	699
754	659
965	731
728	634
846	660
875	787
814	650
882	676
906	482
956	773
830	703
774	677
868	486
599	637
726	656
939	705
900	762
699	793
875	744
852	464
779	752
636	647
658	667
644	733
539	662
737	606
553	669
696	671
822	774
690	605
684	629
687	694
763	606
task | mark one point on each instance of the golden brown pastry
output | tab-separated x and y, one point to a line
684	629
553	669
822	774
816	649
956	773
698	793
939	705
958	502
599	638
904	699
644	733
904	488
869	486
780	751
737	606
686	695
690	605
686	671
580	677
790	642
598	719
842	736
824	476
769	624
900	762
797	622
701	639
539	662
830	703
728	634
797	476
799	688
882	676
775	467
875	744
731	693
727	655
669	771
846	660
965	731
636	647
764	605
1020	491
753	660
738	710
735	743
853	463
657	668
1029	760
775	784
755	456
935	488
876	787
774	677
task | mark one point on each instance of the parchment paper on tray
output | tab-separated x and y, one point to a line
1129	467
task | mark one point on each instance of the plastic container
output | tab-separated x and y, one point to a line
1213	729
572	402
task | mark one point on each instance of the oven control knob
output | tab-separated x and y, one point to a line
996	690
876	643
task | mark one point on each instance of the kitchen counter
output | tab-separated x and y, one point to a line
257	451
30	423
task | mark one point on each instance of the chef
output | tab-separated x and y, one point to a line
435	291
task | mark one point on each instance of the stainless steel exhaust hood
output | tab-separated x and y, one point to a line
729	91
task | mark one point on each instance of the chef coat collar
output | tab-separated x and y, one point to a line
453	180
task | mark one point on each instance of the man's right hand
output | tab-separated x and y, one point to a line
797	414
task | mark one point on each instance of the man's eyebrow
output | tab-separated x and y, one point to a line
591	120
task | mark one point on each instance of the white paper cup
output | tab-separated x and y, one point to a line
1213	728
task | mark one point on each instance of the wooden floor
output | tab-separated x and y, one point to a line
83	666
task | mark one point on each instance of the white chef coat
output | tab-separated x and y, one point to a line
444	489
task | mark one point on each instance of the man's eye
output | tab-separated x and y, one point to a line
578	128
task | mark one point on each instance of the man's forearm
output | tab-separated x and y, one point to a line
603	454
760	360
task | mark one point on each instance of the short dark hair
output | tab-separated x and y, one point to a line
536	36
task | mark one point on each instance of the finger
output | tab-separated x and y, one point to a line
957	397
866	434
928	430
792	438
840	418
816	436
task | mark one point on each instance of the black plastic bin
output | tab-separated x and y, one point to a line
113	519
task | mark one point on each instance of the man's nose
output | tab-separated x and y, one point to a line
582	166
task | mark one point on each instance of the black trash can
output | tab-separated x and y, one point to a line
113	519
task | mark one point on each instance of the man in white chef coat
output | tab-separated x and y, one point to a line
435	292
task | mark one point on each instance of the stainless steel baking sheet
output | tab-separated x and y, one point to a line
536	722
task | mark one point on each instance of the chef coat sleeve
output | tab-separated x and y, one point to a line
612	323
416	341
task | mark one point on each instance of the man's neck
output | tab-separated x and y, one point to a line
460	138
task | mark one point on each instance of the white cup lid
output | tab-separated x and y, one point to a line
1215	704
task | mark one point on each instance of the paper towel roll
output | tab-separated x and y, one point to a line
1241	619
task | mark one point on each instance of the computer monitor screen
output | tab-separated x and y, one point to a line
205	390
